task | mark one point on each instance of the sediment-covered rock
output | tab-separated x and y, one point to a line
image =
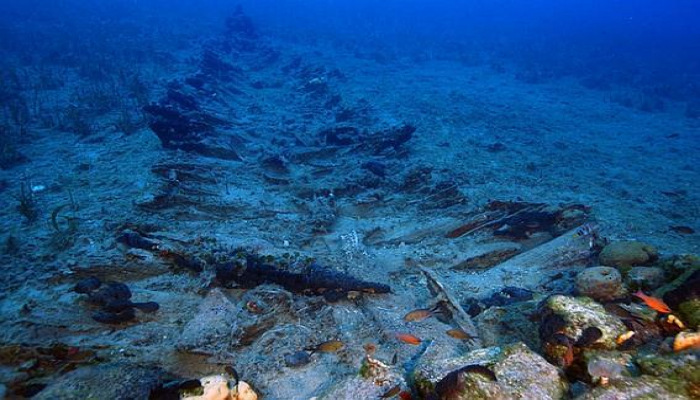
513	372
572	315
508	324
643	387
601	284
628	254
645	278
105	382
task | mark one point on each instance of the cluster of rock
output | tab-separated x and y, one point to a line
592	344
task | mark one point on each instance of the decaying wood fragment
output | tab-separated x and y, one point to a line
533	269
459	316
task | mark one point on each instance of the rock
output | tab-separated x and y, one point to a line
680	264
684	295
108	382
245	392
601	284
690	313
571	315
643	387
685	288
678	366
628	254
519	373
645	278
354	387
217	387
212	327
508	324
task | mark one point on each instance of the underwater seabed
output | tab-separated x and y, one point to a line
294	222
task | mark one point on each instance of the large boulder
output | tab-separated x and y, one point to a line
628	254
601	284
512	372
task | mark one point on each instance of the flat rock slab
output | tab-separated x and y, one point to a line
105	382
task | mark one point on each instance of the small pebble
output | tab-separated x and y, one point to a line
87	285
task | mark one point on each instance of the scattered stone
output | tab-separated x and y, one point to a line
685	297
643	387
628	254
113	300
680	264
508	324
572	315
108	382
690	313
601	284
506	373
678	366
87	285
645	278
218	387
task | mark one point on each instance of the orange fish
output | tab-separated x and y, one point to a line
418	315
653	302
459	334
408	338
405	395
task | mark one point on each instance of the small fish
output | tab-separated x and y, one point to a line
682	229
653	302
420	314
586	230
460	334
408	338
395	359
330	346
391	392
